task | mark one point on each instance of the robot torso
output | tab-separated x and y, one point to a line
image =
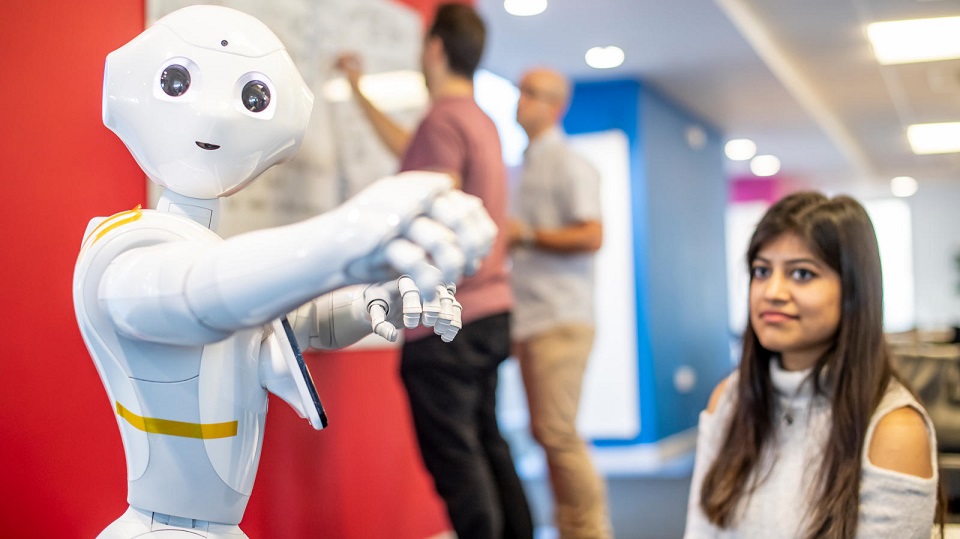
191	417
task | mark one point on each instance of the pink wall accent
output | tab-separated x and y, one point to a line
752	188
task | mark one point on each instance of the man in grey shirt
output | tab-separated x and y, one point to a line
554	232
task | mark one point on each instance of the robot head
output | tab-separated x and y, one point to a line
206	99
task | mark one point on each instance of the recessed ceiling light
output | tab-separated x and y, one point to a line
934	138
764	165
604	57
915	40
740	149
903	186
524	8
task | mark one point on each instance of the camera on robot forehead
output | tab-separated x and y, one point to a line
206	100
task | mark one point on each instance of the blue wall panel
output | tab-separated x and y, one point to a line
687	195
678	201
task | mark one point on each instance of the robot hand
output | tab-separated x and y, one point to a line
442	312
416	224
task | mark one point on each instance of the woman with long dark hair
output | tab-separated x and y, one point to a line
814	435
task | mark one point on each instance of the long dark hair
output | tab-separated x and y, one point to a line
839	232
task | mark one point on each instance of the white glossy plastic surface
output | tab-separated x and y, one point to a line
186	329
222	50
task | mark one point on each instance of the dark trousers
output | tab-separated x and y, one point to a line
452	390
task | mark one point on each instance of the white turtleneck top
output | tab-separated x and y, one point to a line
892	504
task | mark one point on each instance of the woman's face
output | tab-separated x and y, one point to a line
794	301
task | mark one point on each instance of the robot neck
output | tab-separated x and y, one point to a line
205	211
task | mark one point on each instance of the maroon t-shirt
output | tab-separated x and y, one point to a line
456	135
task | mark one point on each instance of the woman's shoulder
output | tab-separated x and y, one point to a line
901	437
716	415
722	392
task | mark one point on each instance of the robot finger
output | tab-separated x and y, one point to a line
449	208
450	334
442	245
457	321
431	311
470	222
479	232
472	267
452	326
408	258
410	295
446	303
378	321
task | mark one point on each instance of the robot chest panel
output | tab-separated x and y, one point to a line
154	362
225	383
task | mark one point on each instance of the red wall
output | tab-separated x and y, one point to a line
61	461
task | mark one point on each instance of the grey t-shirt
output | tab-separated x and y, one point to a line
557	187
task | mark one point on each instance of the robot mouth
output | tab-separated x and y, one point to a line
207	145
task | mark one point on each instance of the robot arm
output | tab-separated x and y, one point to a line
413	223
345	316
338	319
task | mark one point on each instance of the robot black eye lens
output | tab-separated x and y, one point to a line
255	96
175	80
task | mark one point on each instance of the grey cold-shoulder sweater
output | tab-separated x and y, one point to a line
892	504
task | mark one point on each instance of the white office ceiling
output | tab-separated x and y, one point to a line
796	76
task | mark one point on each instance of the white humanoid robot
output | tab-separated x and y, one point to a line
190	331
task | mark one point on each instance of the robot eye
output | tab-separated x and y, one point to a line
255	96
175	80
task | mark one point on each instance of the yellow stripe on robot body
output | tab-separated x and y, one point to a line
112	222
169	427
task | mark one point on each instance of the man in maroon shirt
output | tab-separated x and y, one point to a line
452	386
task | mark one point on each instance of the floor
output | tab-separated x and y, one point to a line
647	494
651	505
